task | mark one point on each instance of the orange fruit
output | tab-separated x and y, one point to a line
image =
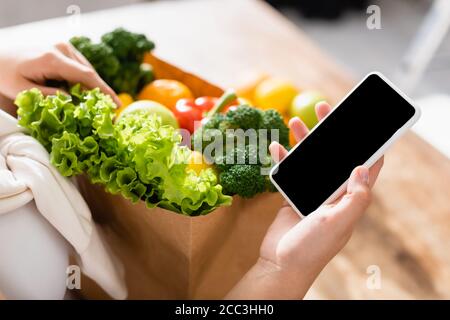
166	92
275	93
249	82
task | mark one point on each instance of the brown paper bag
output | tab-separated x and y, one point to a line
171	256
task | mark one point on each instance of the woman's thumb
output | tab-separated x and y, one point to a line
357	198
358	188
359	180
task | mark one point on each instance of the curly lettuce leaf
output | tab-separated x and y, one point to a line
137	157
160	161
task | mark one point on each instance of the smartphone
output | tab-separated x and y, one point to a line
356	132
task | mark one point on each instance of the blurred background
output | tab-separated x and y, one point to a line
411	45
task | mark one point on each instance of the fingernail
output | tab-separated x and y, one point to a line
321	101
364	175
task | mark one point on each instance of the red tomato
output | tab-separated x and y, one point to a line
187	114
205	103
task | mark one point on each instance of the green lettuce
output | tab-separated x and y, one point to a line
137	157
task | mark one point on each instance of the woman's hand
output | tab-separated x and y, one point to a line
295	249
31	68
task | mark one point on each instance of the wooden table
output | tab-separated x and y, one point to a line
406	231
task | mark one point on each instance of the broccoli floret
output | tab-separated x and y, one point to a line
99	55
248	178
272	119
255	155
205	135
118	59
128	80
127	46
243	117
131	78
244	180
214	122
80	42
228	158
221	163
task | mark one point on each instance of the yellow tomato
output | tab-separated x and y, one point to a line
197	162
166	92
125	100
275	93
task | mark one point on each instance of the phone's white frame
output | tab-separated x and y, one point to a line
377	155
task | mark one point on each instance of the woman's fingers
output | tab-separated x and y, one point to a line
60	67
277	151
298	128
70	51
46	91
25	84
322	110
75	72
374	171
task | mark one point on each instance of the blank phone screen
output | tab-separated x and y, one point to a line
347	138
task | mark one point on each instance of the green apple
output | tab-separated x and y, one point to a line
303	106
167	116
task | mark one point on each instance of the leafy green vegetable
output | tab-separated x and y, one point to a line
137	157
272	119
243	179
100	55
127	46
241	166
118	59
244	117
